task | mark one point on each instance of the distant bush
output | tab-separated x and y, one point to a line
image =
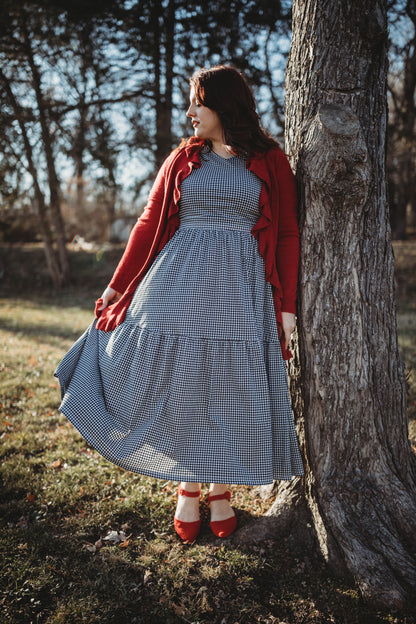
19	227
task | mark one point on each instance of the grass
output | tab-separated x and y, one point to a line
60	499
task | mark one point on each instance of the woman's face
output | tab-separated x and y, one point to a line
205	121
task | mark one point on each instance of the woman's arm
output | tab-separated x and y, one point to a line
288	325
287	252
141	238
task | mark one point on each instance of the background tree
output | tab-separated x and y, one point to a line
172	38
357	501
88	132
401	152
22	54
101	89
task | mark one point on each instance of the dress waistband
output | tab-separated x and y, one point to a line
239	225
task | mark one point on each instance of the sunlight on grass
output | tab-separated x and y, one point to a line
60	499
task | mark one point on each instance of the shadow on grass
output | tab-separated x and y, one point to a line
49	334
52	512
70	297
51	576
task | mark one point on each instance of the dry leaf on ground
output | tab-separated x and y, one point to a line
115	537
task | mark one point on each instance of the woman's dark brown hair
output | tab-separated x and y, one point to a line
225	91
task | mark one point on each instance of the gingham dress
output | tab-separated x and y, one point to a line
192	385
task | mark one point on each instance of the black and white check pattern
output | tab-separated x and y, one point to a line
192	386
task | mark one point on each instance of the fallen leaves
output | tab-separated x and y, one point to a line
92	548
115	536
179	610
118	538
56	464
88	452
23	522
55	570
22	546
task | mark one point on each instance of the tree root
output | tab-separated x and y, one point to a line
355	527
365	527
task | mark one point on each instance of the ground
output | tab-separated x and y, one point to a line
84	541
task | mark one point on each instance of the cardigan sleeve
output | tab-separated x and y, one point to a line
143	233
287	252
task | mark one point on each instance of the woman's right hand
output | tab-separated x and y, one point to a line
109	296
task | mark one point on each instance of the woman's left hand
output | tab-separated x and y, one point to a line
288	325
109	296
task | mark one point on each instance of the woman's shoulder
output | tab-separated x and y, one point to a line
275	153
182	154
190	145
270	158
272	153
187	150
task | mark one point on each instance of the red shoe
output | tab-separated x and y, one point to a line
187	531
222	528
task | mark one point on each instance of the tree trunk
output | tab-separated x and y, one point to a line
349	394
47	142
163	75
79	155
45	228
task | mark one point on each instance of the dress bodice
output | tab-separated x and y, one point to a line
222	192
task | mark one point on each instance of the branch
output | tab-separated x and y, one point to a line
51	107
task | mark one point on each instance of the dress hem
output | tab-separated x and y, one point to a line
178	477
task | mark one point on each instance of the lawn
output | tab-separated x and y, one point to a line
84	541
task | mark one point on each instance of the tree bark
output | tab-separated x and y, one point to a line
348	386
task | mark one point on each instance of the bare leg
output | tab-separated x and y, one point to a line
187	508
220	509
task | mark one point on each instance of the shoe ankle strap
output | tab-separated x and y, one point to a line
225	496
183	492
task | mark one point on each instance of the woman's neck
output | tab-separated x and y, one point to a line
223	150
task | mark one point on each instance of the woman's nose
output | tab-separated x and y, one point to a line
190	112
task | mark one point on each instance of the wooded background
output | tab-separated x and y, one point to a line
93	97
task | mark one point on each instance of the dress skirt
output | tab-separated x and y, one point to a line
192	385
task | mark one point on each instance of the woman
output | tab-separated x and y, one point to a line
182	375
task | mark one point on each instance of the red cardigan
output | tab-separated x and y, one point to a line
276	231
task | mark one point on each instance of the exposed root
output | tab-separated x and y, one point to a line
288	517
354	527
259	530
362	525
